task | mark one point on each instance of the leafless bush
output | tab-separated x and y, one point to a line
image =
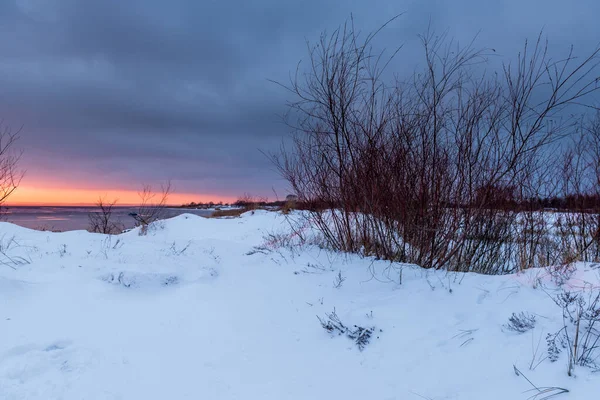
431	170
152	206
102	220
521	322
579	226
580	334
361	336
10	175
561	273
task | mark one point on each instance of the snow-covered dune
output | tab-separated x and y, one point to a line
215	309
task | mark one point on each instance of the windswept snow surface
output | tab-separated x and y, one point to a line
193	311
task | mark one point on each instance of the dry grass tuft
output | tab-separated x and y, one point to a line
230	213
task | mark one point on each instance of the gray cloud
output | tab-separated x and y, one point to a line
134	91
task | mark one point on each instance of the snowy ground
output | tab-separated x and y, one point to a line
187	313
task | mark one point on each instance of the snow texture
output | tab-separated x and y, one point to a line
225	309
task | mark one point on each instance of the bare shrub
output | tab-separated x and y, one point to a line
579	226
521	322
152	206
580	334
10	175
102	220
361	336
431	170
561	273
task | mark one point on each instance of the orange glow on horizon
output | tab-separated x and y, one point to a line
36	196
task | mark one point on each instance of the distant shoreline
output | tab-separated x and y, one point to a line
77	206
68	218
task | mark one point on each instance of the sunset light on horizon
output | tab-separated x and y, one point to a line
55	196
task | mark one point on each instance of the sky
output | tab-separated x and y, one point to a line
113	94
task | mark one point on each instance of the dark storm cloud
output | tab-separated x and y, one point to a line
136	90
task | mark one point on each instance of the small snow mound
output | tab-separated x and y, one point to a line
8	285
129	279
188	216
30	370
154	280
206	274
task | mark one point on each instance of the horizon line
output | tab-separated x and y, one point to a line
92	205
36	196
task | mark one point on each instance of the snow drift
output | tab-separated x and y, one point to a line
219	309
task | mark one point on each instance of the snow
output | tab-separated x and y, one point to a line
211	309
